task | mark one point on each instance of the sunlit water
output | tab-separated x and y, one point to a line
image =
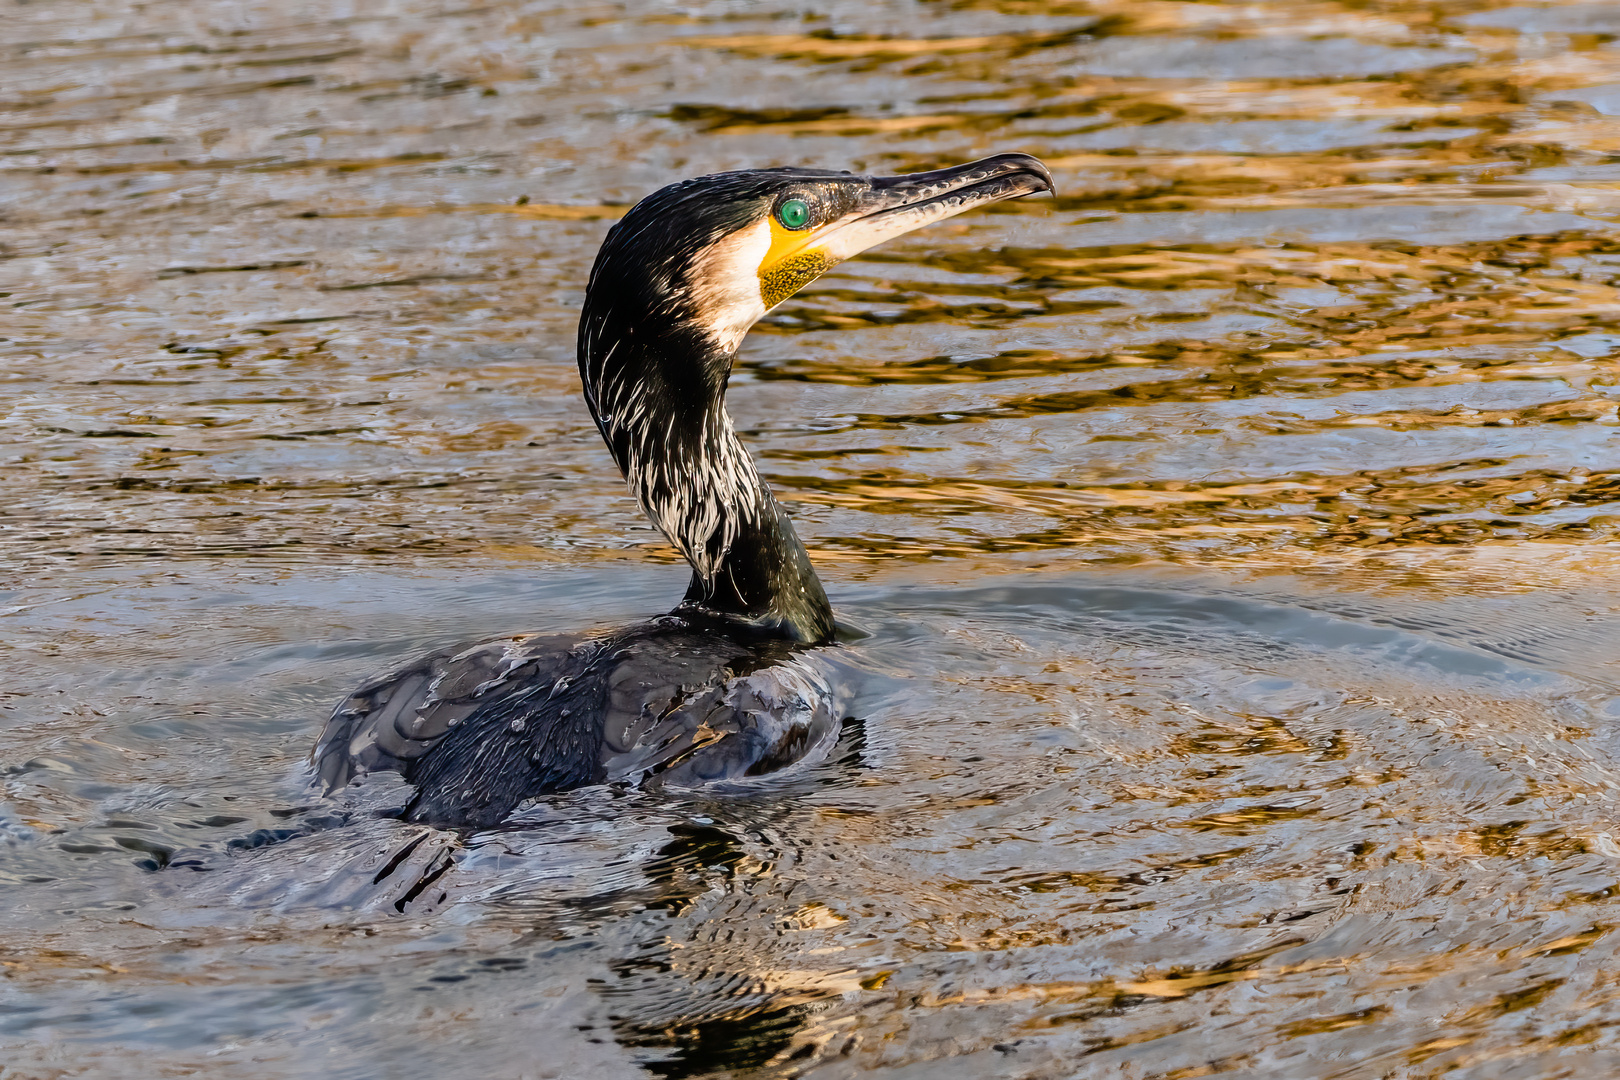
1232	538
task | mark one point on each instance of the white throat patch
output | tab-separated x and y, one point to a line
725	284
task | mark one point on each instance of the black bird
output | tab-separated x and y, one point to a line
726	685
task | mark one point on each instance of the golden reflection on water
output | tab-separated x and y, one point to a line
1447	231
1328	307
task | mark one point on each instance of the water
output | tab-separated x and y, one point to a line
1234	535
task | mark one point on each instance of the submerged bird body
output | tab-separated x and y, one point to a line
729	684
478	731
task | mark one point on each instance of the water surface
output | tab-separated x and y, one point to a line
1233	536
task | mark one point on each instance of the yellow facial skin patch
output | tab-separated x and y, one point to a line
795	257
791	263
778	282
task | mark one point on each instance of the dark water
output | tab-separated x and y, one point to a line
1235	537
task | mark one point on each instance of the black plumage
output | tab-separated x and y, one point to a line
478	731
736	681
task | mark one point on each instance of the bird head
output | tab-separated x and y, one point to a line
704	259
676	285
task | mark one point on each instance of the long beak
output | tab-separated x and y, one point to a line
890	206
895	205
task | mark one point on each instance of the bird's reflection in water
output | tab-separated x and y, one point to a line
706	1018
683	901
698	989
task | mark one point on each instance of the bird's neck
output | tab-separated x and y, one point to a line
664	419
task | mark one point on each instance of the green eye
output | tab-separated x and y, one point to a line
793	214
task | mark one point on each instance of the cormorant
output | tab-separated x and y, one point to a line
720	687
